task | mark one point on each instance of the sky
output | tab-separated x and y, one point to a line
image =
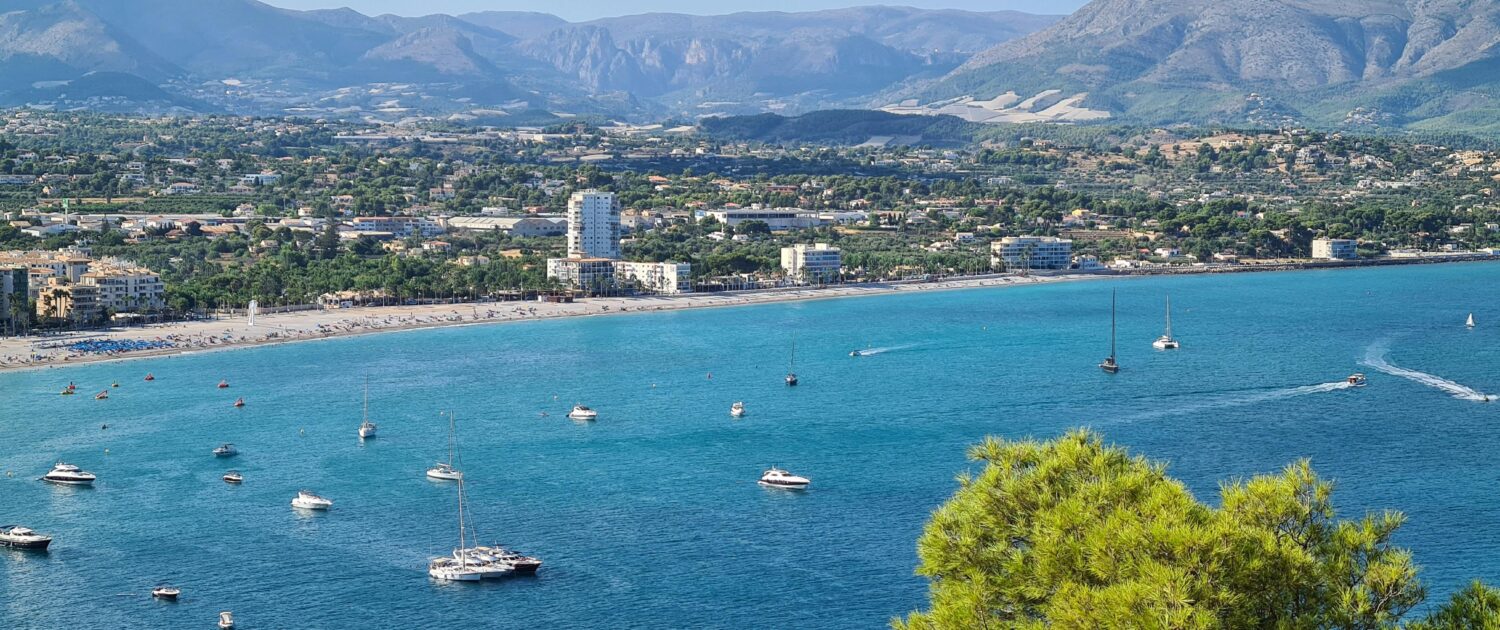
576	10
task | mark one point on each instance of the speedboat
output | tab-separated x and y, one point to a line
445	472
1356	380
224	384
166	592
226	450
737	410
778	478
520	564
226	620
856	353
69	475
309	501
234	476
18	537
454	570
581	412
239	402
366	430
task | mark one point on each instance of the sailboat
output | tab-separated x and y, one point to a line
1166	342
1109	365
446	471
791	375
1470	323
367	428
459	567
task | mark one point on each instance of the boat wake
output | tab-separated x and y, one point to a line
869	352
1250	398
1375	358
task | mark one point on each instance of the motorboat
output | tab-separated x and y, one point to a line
856	353
17	537
1166	342
226	450
224	384
234	476
445	472
520	564
581	412
1109	365
239	402
169	593
104	395
309	501
69	475
490	566
1356	380
778	478
226	620
737	410
457	569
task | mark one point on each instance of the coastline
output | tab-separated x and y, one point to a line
230	333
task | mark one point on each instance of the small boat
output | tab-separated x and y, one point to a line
737	410
149	377
459	569
445	472
581	412
226	620
69	475
1356	380
856	353
226	450
1109	365
72	386
791	379
17	537
778	478
1470	323
104	395
367	428
309	501
223	384
68	392
791	373
168	593
234	476
114	384
239	402
1166	342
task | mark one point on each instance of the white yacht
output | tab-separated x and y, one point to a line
445	472
18	537
519	564
226	450
1356	380
169	593
70	475
309	501
367	428
234	476
455	569
778	478
1166	342
581	412
737	410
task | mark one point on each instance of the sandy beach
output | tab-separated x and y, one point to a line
21	353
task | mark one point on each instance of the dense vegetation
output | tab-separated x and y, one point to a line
842	127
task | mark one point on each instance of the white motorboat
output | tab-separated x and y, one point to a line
17	537
226	620
226	450
1356	380
778	478
454	570
581	412
70	475
234	476
519	564
309	501
166	592
1166	342
445	472
737	410
490	566
367	428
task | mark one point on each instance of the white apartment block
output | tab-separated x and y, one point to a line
812	263
1032	252
594	225
400	227
124	287
588	274
778	219
667	278
1334	249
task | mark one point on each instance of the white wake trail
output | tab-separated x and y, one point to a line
1250	399
1375	358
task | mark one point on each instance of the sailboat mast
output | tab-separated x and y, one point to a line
1169	316
367	399
1111	324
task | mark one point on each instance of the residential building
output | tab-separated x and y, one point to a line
514	226
123	287
400	227
668	278
69	265
778	219
1334	249
593	275
60	299
594	225
14	283
1032	252
818	262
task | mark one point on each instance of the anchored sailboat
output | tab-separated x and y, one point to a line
1166	342
446	471
1110	365
367	428
791	375
1470	323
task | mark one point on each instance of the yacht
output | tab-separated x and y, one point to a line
1166	342
166	592
778	478
367	428
465	564
581	412
234	476
226	620
1109	365
445	471
18	537
226	450
1356	380
737	410
455	569
309	501
520	564
70	475
490	566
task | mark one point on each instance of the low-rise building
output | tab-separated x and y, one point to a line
60	299
594	275
778	219
400	227
514	226
1032	252
123	287
668	278
1334	249
818	262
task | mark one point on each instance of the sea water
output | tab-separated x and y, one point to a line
651	517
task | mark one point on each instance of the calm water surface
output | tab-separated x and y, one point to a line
651	517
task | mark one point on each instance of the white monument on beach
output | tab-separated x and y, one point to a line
254	306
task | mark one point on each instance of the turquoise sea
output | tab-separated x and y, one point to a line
651	518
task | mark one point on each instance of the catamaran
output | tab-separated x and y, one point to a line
1166	342
367	428
1110	365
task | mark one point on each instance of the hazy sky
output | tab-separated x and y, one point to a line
589	9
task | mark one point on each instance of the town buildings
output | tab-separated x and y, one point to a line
818	262
593	225
1334	249
667	278
1032	252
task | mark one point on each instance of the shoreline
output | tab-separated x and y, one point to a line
234	333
